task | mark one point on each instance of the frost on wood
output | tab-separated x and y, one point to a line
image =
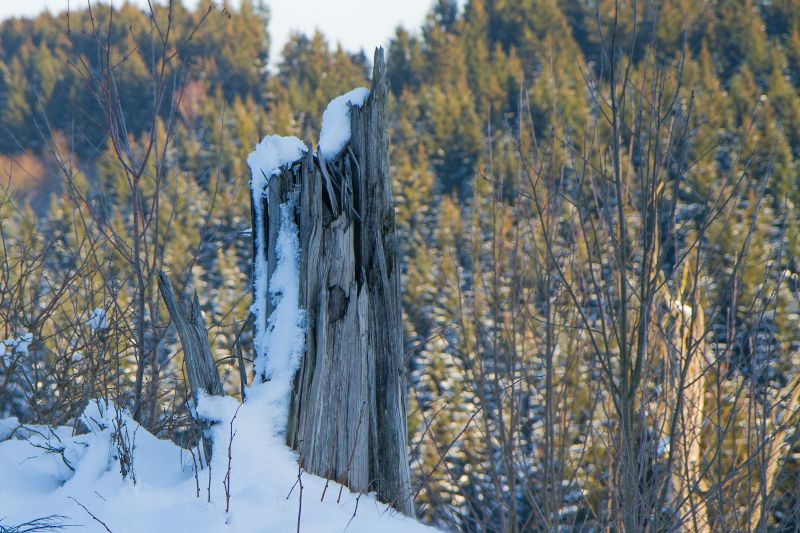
282	339
278	319
347	415
271	155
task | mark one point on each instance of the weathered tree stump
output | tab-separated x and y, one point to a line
347	414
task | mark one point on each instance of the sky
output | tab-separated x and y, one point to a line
356	24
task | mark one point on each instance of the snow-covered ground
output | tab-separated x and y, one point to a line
265	494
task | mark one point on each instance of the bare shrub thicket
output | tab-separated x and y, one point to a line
81	283
609	321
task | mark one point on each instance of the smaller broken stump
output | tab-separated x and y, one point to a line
201	372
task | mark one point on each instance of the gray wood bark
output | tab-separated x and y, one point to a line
348	408
201	372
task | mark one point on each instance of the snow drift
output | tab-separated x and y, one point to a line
51	472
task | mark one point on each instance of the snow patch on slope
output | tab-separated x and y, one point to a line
335	131
43	469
